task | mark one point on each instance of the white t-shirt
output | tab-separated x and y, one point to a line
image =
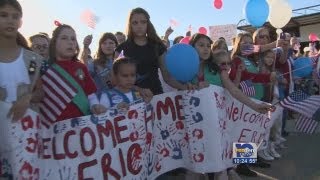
12	75
166	87
104	99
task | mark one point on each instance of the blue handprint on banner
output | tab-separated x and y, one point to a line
59	128
74	122
194	101
177	152
150	163
94	119
197	118
164	132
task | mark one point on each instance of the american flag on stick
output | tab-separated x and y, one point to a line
89	18
247	88
248	49
173	23
303	103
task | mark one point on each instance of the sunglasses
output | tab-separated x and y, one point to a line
39	47
263	36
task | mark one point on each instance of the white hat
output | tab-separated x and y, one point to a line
306	49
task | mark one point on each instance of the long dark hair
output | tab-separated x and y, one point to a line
53	42
100	55
20	39
151	31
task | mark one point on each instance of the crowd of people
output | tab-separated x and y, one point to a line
53	78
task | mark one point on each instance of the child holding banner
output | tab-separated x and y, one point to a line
19	67
271	95
214	69
68	86
241	55
123	94
251	80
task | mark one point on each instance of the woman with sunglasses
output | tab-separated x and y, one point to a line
282	64
39	43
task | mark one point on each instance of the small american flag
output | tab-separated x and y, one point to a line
306	125
248	88
248	49
304	104
174	23
89	18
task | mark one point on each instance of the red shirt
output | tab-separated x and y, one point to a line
246	75
86	82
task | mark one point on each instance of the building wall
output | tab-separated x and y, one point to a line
306	30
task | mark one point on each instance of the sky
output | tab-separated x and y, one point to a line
39	15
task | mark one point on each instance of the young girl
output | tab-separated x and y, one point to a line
123	94
251	72
68	86
214	69
19	67
219	44
242	55
146	48
100	68
271	96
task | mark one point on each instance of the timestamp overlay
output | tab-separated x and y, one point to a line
244	153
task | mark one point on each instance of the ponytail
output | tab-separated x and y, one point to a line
21	41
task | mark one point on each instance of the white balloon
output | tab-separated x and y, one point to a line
279	31
270	1
280	13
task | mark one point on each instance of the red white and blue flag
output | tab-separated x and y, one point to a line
307	106
89	18
247	88
58	93
173	23
249	49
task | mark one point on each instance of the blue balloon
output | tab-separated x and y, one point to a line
256	12
182	62
302	67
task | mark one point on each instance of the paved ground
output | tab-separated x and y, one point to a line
300	161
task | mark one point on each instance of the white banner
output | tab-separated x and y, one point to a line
189	130
228	32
